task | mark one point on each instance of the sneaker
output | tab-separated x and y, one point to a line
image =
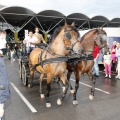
109	76
97	75
117	76
106	75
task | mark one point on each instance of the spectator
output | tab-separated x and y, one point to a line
16	51
8	51
30	42
118	58
3	45
96	56
107	64
39	36
4	83
113	55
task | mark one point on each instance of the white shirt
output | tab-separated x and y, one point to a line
2	43
29	39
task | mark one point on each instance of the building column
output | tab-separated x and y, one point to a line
16	37
45	37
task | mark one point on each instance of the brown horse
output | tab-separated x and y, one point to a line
88	41
63	37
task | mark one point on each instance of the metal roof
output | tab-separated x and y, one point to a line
15	15
20	16
99	19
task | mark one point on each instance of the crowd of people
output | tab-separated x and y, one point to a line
30	43
111	61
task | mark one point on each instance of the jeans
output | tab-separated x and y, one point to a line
95	67
108	69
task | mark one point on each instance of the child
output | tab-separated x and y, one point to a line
108	64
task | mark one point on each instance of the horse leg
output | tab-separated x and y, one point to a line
31	78
65	84
91	96
40	81
68	78
48	104
75	102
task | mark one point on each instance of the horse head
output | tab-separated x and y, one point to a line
71	36
101	39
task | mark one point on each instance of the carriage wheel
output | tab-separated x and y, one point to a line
20	69
24	75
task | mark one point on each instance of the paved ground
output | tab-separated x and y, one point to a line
105	106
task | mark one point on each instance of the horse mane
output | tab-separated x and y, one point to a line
76	30
95	31
56	32
58	29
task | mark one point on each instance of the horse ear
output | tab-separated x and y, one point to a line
66	25
73	24
99	28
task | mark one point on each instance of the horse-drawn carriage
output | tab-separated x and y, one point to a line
54	60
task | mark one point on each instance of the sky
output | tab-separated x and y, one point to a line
91	8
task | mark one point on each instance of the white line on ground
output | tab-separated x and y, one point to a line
91	86
24	99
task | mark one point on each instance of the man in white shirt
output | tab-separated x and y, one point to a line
30	42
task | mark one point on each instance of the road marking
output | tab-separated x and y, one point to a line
91	86
24	99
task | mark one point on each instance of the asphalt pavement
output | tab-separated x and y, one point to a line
25	103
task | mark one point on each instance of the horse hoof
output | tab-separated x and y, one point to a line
72	91
63	89
75	102
91	97
48	105
59	102
42	95
30	86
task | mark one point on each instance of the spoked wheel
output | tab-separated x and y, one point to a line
24	75
20	69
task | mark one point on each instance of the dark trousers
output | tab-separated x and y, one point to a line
16	54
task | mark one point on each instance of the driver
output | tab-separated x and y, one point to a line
30	41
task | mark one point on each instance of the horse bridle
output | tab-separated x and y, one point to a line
98	35
68	35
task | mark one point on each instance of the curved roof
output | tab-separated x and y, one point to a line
15	15
117	20
50	13
78	16
99	19
16	10
18	16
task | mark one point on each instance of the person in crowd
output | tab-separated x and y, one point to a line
30	42
21	51
118	59
8	52
16	51
3	45
96	56
4	81
107	64
39	37
113	55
